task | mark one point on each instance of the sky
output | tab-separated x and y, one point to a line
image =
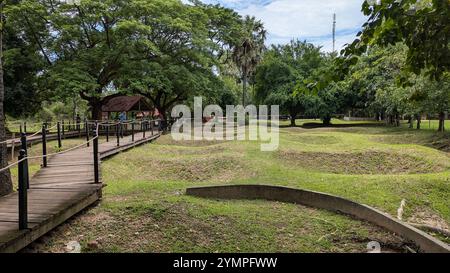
310	20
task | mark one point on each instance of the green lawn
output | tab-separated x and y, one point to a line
428	124
144	208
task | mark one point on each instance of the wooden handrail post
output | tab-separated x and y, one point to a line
23	199
96	162
86	128
59	134
118	133
24	146
44	145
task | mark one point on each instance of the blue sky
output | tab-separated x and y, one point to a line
309	20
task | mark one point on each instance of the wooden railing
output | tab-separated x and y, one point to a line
89	127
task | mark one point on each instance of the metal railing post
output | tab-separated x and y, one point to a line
44	145
151	125
96	163
144	128
23	146
118	133
132	130
23	199
86	129
59	135
13	145
107	131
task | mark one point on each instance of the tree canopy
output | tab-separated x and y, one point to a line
423	26
91	49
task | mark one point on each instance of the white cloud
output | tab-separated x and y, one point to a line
304	19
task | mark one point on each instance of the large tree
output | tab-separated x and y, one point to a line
190	40
247	52
371	87
283	69
22	66
86	44
423	26
5	176
275	85
96	48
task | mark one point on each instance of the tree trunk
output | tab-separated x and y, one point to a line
389	120
410	122
96	110
164	122
419	120
293	118
244	87
327	121
74	110
5	176
441	122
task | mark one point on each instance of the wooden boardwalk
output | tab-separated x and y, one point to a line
58	192
38	138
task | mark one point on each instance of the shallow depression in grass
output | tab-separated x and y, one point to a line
366	162
313	139
144	208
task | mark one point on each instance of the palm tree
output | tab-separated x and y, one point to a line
247	53
5	176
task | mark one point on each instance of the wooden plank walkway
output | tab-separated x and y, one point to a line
58	192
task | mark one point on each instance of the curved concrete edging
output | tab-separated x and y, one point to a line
426	242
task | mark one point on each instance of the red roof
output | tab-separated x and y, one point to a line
126	104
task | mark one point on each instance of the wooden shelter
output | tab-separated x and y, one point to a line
133	106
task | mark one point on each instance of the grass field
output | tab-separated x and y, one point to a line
144	208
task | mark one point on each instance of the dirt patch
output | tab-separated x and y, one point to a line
367	162
427	217
111	233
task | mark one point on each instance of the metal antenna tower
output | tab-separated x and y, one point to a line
334	32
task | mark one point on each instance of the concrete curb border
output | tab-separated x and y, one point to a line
426	242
